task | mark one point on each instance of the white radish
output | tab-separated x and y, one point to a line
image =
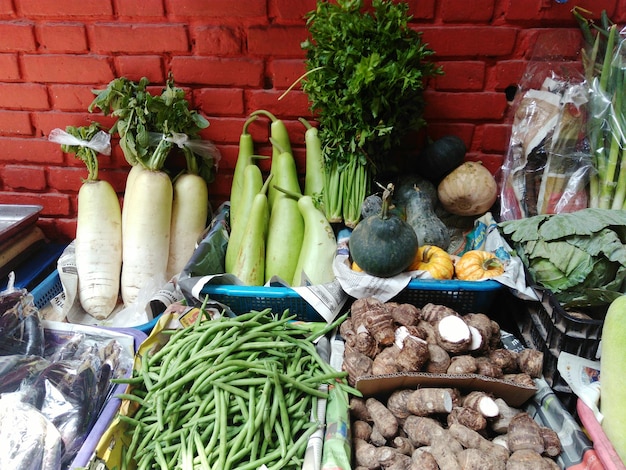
190	210
130	182
98	243
146	234
98	247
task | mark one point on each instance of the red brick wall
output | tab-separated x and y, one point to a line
233	57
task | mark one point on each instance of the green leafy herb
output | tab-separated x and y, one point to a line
366	73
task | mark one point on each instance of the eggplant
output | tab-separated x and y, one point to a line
15	369
21	331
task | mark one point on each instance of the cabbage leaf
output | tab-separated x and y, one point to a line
580	256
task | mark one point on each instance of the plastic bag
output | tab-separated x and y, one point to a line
101	142
28	441
548	163
208	257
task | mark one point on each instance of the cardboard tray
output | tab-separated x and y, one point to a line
514	394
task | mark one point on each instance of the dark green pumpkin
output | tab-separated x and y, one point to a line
440	157
383	245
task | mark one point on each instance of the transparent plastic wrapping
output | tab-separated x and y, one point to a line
607	125
548	164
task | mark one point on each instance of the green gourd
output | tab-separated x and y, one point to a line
418	197
319	244
252	184
383	245
613	375
245	157
440	157
284	238
249	265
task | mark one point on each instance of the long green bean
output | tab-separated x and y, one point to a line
228	393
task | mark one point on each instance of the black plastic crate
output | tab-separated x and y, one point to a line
546	326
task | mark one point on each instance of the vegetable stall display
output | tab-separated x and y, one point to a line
366	73
445	425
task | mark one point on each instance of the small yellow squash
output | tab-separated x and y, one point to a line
478	264
434	260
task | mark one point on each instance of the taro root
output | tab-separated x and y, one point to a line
383	419
439	359
467	417
428	401
525	433
481	402
530	361
356	364
453	334
404	314
413	355
432	313
372	314
505	359
460	365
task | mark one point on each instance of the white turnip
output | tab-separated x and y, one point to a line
190	210
98	241
146	234
98	248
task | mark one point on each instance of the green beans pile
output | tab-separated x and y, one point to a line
228	393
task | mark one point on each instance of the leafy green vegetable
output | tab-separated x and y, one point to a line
150	126
580	256
366	73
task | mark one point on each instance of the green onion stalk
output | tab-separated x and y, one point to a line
605	71
344	190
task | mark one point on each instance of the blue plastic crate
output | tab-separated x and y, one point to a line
52	286
34	269
242	299
47	290
462	296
